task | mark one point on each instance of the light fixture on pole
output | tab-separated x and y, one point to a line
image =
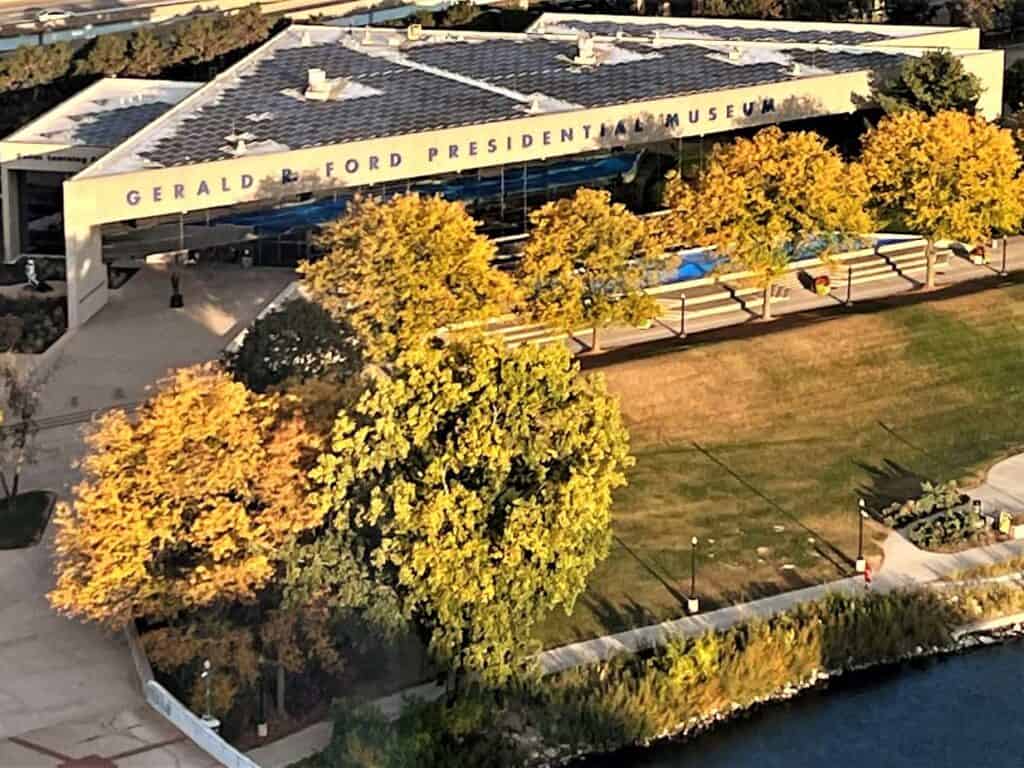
692	603
208	719
861	517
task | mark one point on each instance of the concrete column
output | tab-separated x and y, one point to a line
87	274
11	220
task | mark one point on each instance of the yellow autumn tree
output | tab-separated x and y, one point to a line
401	269
475	482
761	201
186	506
586	264
948	177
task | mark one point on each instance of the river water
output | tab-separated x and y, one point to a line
964	711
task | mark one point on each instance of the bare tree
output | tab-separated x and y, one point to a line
20	399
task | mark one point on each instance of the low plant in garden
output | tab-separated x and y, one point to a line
941	516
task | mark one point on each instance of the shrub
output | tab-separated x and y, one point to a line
43	321
934	498
632	698
426	735
300	341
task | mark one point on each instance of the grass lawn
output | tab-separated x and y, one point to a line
761	446
26	525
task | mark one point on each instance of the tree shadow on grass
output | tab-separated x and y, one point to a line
888	483
839	560
647	566
618	616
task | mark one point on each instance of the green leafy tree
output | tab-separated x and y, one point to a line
913	12
202	40
400	270
934	82
949	177
300	341
986	15
31	66
148	54
586	264
1013	86
761	200
743	9
823	10
476	482
106	55
249	26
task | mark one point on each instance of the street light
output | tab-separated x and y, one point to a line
692	603
208	719
861	517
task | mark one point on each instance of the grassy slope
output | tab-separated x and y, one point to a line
737	440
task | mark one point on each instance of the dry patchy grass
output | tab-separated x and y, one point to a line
761	446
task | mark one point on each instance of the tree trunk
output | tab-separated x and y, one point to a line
594	346
766	305
929	255
280	690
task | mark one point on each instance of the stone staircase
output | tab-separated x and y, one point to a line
720	299
908	263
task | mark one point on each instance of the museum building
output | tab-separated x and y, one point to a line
276	144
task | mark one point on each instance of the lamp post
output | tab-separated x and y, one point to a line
692	603
261	714
208	719
861	517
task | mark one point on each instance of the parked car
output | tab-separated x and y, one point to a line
53	16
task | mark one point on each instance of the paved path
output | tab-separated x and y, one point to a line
66	687
903	565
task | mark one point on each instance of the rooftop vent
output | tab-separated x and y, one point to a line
796	70
320	88
305	41
734	54
414	32
585	55
535	107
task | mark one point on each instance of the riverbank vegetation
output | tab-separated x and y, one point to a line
684	686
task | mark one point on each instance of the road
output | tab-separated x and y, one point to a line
19	11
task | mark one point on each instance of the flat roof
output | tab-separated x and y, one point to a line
387	82
106	113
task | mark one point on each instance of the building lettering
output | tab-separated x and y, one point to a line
614	133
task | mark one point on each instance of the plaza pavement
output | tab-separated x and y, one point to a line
68	690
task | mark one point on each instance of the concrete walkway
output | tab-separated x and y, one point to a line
68	690
903	566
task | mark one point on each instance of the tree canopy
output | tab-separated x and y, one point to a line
399	270
935	82
186	506
476	482
951	176
300	341
587	261
763	199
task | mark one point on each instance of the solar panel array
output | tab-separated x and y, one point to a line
445	81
